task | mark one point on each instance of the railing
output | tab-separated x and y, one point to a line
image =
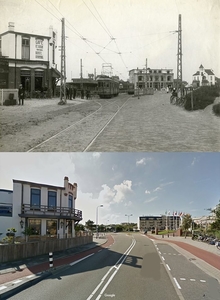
57	211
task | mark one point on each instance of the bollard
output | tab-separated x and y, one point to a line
51	259
162	236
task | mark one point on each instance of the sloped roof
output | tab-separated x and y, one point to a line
197	73
201	66
209	72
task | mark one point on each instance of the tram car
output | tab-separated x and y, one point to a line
108	87
130	88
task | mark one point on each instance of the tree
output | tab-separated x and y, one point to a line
90	225
79	227
216	225
186	223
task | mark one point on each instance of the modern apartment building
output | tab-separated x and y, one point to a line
28	59
159	221
44	209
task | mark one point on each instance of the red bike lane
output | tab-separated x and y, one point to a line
210	258
42	267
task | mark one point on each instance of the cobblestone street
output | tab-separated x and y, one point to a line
150	123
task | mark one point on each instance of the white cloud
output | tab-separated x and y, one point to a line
157	189
122	190
147	192
96	154
129	203
193	162
150	200
143	161
167	183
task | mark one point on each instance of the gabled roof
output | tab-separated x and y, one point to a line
209	72
201	66
197	73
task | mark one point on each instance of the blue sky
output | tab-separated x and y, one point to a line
124	183
140	29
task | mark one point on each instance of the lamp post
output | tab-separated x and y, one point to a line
128	217
97	220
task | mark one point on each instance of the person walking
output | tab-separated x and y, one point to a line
21	95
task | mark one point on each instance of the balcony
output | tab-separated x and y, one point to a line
45	211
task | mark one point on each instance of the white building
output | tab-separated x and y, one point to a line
44	209
203	77
28	59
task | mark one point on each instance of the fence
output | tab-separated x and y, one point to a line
11	252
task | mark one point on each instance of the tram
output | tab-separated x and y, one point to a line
108	87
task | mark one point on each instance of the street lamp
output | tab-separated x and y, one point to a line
97	220
128	217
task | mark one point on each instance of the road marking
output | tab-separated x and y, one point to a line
30	276
174	254
182	278
3	287
203	280
177	284
100	250
17	281
168	267
169	253
116	267
76	262
163	258
192	279
159	252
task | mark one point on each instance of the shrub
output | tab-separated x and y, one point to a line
216	109
202	97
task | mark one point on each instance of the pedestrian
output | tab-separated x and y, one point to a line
21	95
167	90
82	94
67	93
87	94
70	93
74	93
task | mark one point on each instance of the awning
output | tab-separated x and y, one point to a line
55	73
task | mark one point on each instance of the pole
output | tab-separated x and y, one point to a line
179	59
63	66
51	259
192	98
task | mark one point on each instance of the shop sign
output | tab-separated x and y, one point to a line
39	47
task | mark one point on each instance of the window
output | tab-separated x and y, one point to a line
52	199
25	47
5	210
35	198
51	227
70	201
35	225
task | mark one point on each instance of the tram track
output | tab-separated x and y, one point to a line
80	135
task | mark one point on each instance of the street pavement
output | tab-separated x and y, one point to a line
16	276
203	255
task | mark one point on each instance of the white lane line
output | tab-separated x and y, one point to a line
203	280
163	258
17	281
76	262
192	279
159	252
119	263
177	284
30	276
3	287
100	250
182	278
169	253
168	267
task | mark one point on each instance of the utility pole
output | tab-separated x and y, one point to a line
179	59
63	66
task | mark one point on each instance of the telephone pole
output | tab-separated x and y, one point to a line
63	66
179	59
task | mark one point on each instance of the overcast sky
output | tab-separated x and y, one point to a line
138	29
124	183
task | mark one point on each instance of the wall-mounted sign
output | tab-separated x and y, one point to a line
39	47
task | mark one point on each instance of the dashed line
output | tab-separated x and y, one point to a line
192	279
168	267
3	287
182	278
100	250
163	258
17	281
30	276
159	252
177	284
203	280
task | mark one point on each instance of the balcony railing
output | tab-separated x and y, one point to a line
49	211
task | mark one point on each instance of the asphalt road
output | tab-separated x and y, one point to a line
130	269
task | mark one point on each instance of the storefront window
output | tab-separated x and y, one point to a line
35	225
51	227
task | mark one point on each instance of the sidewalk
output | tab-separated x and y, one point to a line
205	256
18	275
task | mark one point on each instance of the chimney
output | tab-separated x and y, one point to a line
11	26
